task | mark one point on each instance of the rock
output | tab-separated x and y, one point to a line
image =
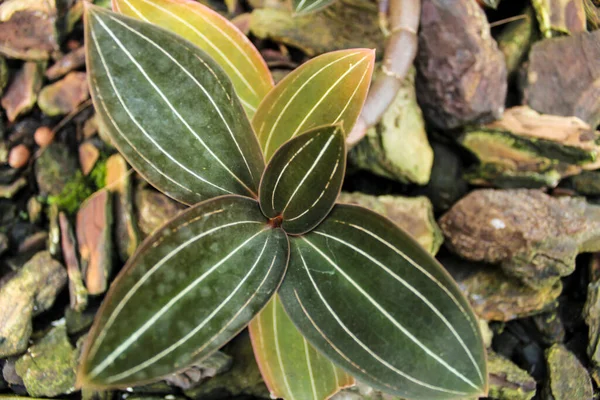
93	226
507	381
8	191
567	378
30	291
54	168
550	327
344	24
515	40
497	297
78	321
118	181
78	294
447	183
556	17
67	63
578	85
243	379
591	314
54	231
88	156
154	209
48	368
534	237
586	183
64	96
397	147
461	74
18	157
21	95
414	215
210	367
528	149
28	29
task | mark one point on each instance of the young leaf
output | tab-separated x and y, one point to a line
370	298
170	109
290	366
303	7
214	34
304	178
326	90
188	290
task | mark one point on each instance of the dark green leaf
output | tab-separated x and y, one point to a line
370	298
170	109
304	178
188	289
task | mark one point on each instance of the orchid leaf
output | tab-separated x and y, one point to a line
214	34
188	289
366	295
169	109
304	178
303	7
328	89
290	366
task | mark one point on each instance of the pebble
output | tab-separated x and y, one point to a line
43	136
18	156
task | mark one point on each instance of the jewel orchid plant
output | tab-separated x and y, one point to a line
331	292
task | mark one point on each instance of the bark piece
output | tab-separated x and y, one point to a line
495	296
345	24
48	368
528	149
8	191
64	96
534	237
507	381
551	88
461	74
397	147
557	17
77	292
567	378
30	291
28	29
414	215
118	181
21	95
154	209
93	226
67	63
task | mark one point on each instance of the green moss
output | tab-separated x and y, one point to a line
80	188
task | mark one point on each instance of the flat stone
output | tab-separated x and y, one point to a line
67	63
507	381
78	294
54	168
567	378
64	96
88	156
414	215
217	363
30	291
532	236
48	368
